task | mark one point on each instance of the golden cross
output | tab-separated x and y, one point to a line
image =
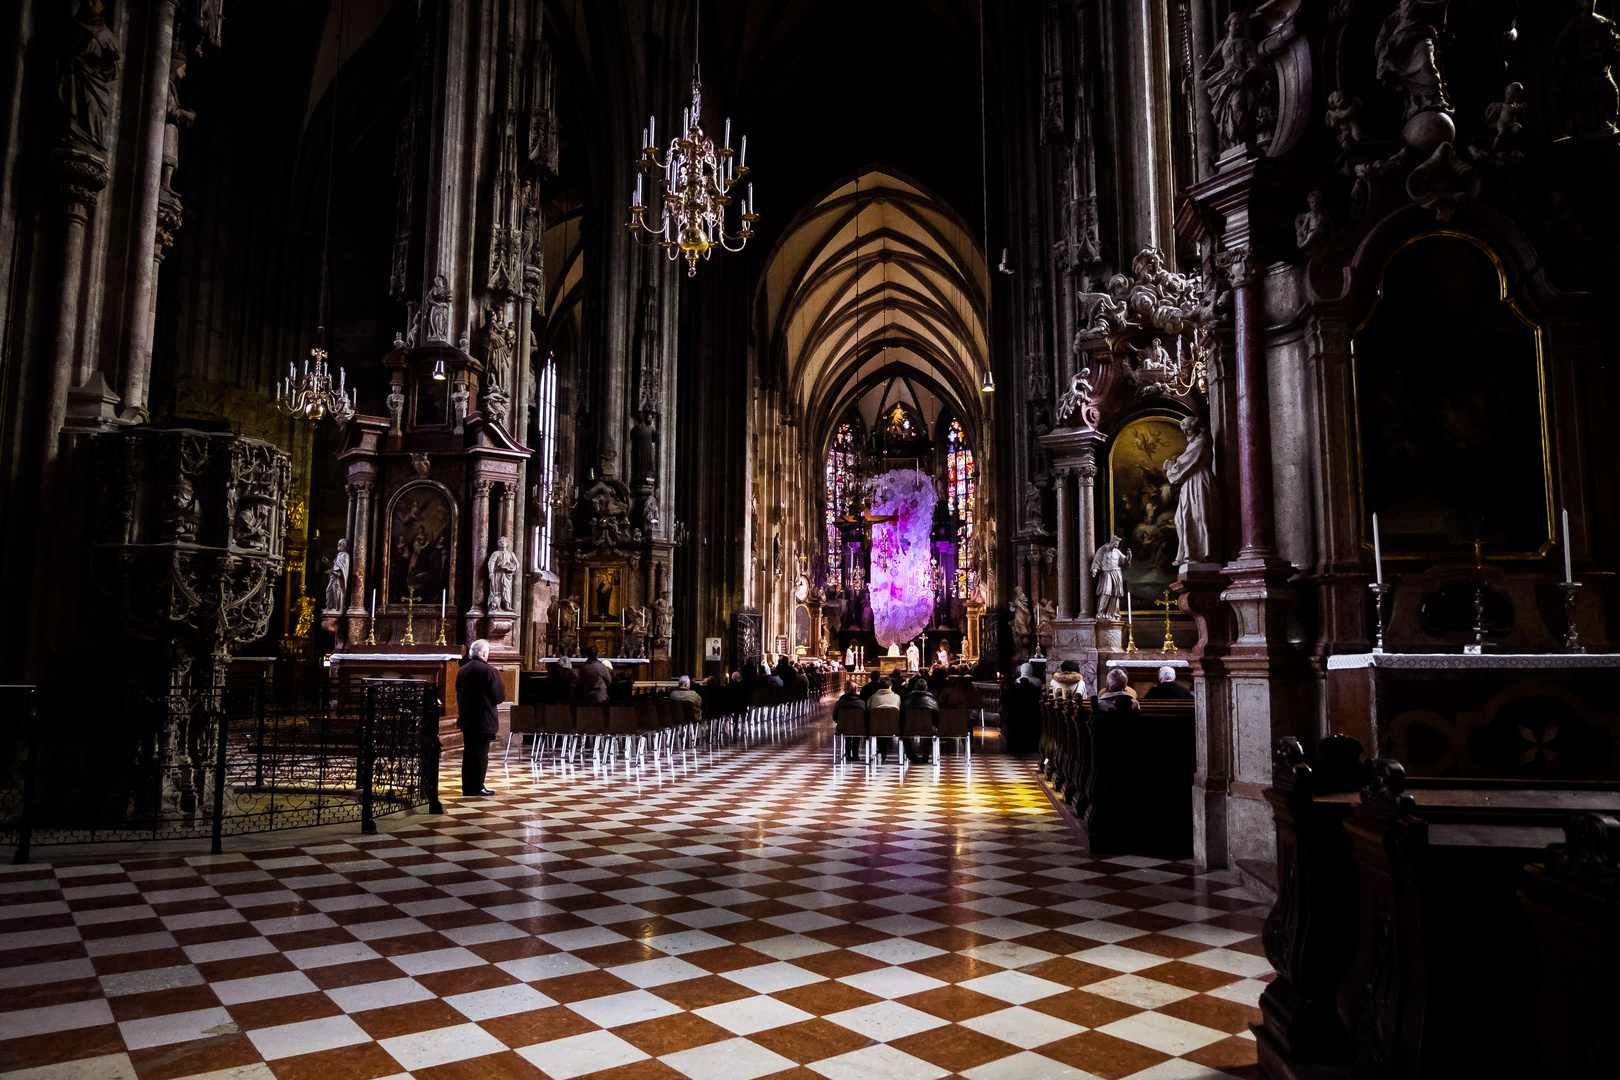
1169	605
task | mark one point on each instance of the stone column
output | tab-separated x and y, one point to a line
359	545
1087	472
1253	427
479	550
1065	542
145	254
80	178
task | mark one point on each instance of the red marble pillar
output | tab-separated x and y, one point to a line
1255	503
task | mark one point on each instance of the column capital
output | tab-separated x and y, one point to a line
80	178
1241	264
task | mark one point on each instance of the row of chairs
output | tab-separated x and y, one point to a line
953	722
613	730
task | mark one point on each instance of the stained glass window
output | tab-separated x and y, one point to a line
840	485
545	414
960	479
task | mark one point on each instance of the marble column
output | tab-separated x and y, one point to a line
359	544
1065	543
1253	426
80	179
480	544
1087	473
145	253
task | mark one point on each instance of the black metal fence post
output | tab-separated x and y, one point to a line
25	827
220	734
258	765
363	758
431	748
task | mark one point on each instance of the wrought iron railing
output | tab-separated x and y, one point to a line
77	767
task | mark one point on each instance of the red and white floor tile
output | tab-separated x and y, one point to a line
747	912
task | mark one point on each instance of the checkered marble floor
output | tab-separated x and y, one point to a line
751	911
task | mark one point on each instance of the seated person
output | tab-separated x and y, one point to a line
1119	694
1077	688
683	692
920	697
872	686
884	696
1168	689
593	679
849	699
564	679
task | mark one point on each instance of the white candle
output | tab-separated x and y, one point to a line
1130	616
726	142
1378	553
652	131
753	207
1569	573
443	596
742	156
374	604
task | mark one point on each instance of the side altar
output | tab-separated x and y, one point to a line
429	559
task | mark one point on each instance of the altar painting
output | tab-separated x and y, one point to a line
1450	408
1142	504
421	535
604	594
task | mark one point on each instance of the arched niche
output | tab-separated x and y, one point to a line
420	550
1142	501
1450	406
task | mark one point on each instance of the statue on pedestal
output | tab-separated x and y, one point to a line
89	72
1234	78
396	409
435	317
636	621
1020	616
503	568
1045	622
1196	497
337	578
1108	567
643	455
1408	56
567	627
663	622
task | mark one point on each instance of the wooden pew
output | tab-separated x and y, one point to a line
1442	975
1573	902
1138	799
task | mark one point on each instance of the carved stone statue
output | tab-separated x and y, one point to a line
337	578
1155	371
663	622
1195	500
650	518
174	114
503	569
1408	59
567	626
436	313
182	516
643	455
1586	51
499	336
89	72
1020	616
1045	622
396	409
1504	116
1108	567
636	620
1344	116
1311	227
1234	78
460	399
496	400
1032	510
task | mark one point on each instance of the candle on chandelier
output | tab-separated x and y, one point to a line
742	157
638	189
1378	553
753	207
726	142
1569	572
652	131
686	120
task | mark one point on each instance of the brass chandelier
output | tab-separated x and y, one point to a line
693	191
311	394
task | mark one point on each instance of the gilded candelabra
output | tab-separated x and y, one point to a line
411	600
1169	605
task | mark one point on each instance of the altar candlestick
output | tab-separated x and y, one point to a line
1378	553
1569	574
1130	617
443	596
373	603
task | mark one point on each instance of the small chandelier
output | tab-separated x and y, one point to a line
310	394
694	190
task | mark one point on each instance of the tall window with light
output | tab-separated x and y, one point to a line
960	481
840	487
546	454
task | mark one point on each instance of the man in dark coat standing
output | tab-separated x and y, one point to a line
478	691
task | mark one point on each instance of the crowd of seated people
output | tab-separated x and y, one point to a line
915	701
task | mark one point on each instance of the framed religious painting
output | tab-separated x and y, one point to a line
604	594
421	544
1142	504
1451	410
